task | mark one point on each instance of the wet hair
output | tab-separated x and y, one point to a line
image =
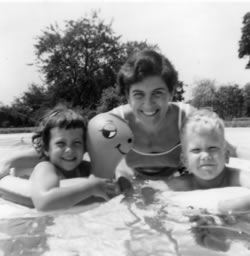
143	64
202	119
59	117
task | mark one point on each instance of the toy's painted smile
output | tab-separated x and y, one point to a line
119	149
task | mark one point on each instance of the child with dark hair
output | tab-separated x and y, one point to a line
61	143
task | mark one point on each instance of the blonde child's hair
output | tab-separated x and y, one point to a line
203	119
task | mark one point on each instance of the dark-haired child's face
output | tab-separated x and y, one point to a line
66	148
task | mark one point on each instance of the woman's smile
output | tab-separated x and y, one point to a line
150	113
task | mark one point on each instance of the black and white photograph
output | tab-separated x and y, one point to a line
125	128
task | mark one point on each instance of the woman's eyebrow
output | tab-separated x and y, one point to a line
137	90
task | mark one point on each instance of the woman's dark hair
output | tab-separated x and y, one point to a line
60	117
143	64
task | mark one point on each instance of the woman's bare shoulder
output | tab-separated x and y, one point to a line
123	111
127	110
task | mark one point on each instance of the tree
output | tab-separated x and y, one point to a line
132	46
13	117
80	60
178	94
33	102
246	95
244	43
204	94
110	99
231	101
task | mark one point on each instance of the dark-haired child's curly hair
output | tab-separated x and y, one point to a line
59	117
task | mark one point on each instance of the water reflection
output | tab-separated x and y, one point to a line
141	223
24	236
218	232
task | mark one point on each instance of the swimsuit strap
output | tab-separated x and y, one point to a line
182	106
186	109
180	116
156	154
119	111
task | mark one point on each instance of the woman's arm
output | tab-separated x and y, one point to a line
47	194
239	152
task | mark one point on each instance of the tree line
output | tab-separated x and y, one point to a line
79	62
228	101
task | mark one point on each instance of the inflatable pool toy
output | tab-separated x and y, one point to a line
151	221
109	139
146	223
18	190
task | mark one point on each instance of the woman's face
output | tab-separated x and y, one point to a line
149	100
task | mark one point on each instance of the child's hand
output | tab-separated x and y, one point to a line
104	188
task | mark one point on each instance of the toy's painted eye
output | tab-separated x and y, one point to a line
109	131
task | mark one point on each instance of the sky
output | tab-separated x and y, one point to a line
201	38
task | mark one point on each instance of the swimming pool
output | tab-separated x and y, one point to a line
151	221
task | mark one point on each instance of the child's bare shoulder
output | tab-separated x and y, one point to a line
44	164
44	168
182	183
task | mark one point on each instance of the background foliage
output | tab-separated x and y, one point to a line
244	43
79	63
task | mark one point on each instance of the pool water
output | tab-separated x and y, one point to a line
148	222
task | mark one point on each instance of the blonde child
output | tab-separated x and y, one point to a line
61	144
204	155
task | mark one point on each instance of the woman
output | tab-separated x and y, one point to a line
148	80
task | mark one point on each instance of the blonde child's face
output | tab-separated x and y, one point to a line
66	148
204	152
